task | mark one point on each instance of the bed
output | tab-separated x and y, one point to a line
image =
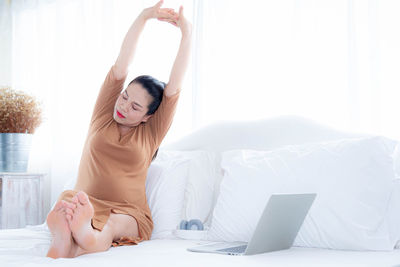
28	246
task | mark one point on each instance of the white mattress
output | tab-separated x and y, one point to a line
28	247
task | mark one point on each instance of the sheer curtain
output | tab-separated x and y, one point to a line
334	61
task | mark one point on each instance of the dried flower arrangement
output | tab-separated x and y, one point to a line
19	112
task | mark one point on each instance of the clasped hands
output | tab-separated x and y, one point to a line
168	15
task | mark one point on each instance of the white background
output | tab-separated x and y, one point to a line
334	61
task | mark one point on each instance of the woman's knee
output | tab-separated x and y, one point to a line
123	225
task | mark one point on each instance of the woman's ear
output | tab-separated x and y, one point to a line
146	117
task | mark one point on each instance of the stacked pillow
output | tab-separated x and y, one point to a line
181	185
356	207
202	185
165	187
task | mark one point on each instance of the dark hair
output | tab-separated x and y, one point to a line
155	88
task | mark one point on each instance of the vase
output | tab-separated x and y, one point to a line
14	151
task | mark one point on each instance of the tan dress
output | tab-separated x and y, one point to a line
113	169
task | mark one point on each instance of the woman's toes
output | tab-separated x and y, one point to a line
58	205
82	197
65	204
69	211
69	205
75	200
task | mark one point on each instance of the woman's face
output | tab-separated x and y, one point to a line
131	106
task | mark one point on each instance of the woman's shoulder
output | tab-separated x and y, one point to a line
102	122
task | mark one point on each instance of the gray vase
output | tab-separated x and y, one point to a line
14	151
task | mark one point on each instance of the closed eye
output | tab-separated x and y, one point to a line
126	98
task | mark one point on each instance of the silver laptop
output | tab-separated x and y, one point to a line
276	229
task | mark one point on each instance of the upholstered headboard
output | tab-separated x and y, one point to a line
263	134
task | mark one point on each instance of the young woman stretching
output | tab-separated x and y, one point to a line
108	206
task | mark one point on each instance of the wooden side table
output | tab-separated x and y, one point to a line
21	199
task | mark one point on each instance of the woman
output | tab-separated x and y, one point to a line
108	206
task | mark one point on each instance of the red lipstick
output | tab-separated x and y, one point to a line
120	115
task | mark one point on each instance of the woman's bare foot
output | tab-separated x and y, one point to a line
80	222
58	225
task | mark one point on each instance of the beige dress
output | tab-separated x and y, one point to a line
113	169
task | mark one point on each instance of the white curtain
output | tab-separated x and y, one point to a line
334	61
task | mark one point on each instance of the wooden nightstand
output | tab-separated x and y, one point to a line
21	199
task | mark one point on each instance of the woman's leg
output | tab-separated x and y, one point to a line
91	240
62	241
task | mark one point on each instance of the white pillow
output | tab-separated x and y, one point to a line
353	178
202	185
204	176
165	188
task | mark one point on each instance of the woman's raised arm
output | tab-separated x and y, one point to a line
129	44
182	59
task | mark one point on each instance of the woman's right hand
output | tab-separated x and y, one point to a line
156	12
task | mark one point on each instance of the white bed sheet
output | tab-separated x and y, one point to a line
28	247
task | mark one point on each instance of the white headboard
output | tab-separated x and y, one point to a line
263	134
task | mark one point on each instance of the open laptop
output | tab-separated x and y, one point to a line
276	229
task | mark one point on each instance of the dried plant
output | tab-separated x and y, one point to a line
19	112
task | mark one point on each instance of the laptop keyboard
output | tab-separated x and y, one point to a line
238	249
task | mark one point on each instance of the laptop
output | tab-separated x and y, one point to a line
276	229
